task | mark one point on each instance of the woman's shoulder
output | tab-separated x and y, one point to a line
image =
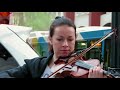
35	61
35	65
38	59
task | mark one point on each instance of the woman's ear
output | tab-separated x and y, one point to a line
50	40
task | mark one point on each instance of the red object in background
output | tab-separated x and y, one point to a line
70	15
4	17
4	14
94	18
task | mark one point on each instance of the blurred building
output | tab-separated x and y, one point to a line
90	18
79	18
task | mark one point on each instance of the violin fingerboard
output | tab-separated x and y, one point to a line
82	64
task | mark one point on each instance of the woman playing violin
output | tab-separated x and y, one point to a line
62	37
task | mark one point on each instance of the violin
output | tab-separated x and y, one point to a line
75	67
79	69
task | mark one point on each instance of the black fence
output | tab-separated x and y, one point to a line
115	43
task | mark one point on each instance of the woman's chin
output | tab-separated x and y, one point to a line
64	55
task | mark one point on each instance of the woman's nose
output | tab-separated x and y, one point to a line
65	43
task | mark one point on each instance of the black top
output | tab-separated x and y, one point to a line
33	68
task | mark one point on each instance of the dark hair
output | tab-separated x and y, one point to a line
59	21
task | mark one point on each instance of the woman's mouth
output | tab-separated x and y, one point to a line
64	51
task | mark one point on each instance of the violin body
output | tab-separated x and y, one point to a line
82	72
74	71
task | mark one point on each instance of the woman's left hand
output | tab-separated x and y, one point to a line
96	72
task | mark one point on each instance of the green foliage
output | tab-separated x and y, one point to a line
36	20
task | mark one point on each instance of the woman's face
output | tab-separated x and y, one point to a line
63	40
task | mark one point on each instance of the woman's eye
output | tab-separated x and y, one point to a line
70	39
59	39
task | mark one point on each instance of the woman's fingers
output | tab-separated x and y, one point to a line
96	72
